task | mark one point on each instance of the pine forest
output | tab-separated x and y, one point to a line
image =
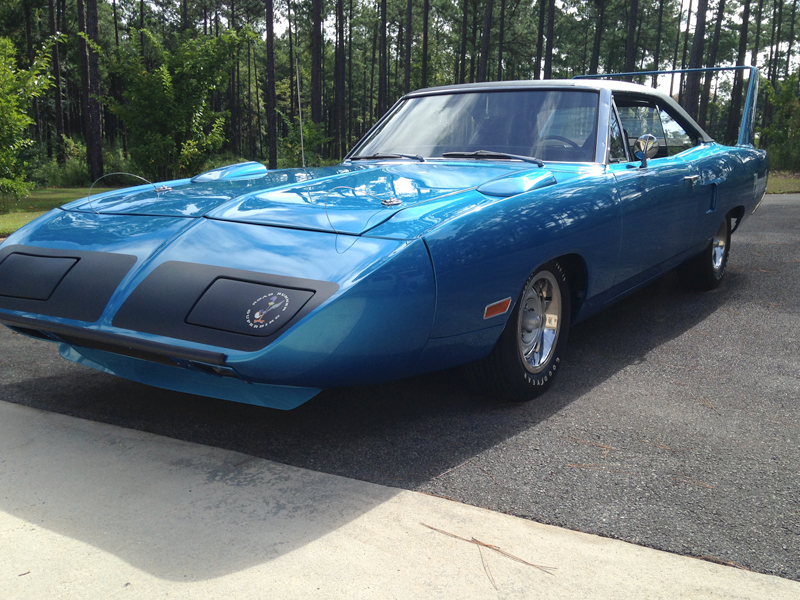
168	88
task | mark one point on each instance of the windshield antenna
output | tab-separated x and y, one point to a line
300	111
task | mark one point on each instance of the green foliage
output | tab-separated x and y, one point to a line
17	88
183	112
290	152
165	103
782	134
47	172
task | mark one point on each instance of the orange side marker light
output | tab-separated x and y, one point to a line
496	308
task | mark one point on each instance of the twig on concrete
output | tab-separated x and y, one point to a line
692	481
491	547
486	568
605	447
25	573
469	460
454	468
707	403
484	470
600	468
722	561
659	445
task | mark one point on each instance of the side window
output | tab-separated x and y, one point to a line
640	117
676	138
616	143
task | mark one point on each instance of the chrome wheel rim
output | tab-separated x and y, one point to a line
719	245
539	321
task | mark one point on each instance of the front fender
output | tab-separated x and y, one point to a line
485	256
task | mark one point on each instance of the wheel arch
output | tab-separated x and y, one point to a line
736	215
578	278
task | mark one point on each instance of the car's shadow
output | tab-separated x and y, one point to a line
401	434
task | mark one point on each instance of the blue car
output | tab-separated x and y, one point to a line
471	226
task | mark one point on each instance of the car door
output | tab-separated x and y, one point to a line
658	202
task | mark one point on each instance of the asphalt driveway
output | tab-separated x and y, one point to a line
675	423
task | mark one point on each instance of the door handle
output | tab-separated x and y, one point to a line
692	178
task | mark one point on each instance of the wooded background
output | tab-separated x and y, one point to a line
166	88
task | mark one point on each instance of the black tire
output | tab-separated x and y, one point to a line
706	270
516	371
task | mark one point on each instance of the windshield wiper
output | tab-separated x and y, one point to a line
490	154
379	155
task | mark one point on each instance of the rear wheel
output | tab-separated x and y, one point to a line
705	271
528	355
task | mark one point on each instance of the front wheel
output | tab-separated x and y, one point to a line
528	354
705	271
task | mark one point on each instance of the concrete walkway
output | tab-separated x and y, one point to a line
89	510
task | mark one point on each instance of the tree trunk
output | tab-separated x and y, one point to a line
29	45
350	100
316	61
407	60
141	25
712	61
84	67
61	156
473	54
548	53
259	129
537	66
734	117
791	40
630	49
772	40
685	51
272	125
594	62
659	29
696	60
501	40
293	89
487	30
95	138
339	81
251	140
778	40
372	77
382	62
116	26
425	13
675	55
462	76
757	42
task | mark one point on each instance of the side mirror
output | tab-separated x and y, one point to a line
645	147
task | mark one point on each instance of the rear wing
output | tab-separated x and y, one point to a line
747	129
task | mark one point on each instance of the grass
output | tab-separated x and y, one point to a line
783	183
15	214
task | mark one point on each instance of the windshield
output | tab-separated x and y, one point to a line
555	125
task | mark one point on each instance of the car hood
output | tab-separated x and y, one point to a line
348	198
357	198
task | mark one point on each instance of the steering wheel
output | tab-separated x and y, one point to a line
559	138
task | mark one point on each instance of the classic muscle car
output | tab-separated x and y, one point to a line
473	224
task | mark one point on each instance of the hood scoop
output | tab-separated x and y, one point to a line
518	183
247	170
